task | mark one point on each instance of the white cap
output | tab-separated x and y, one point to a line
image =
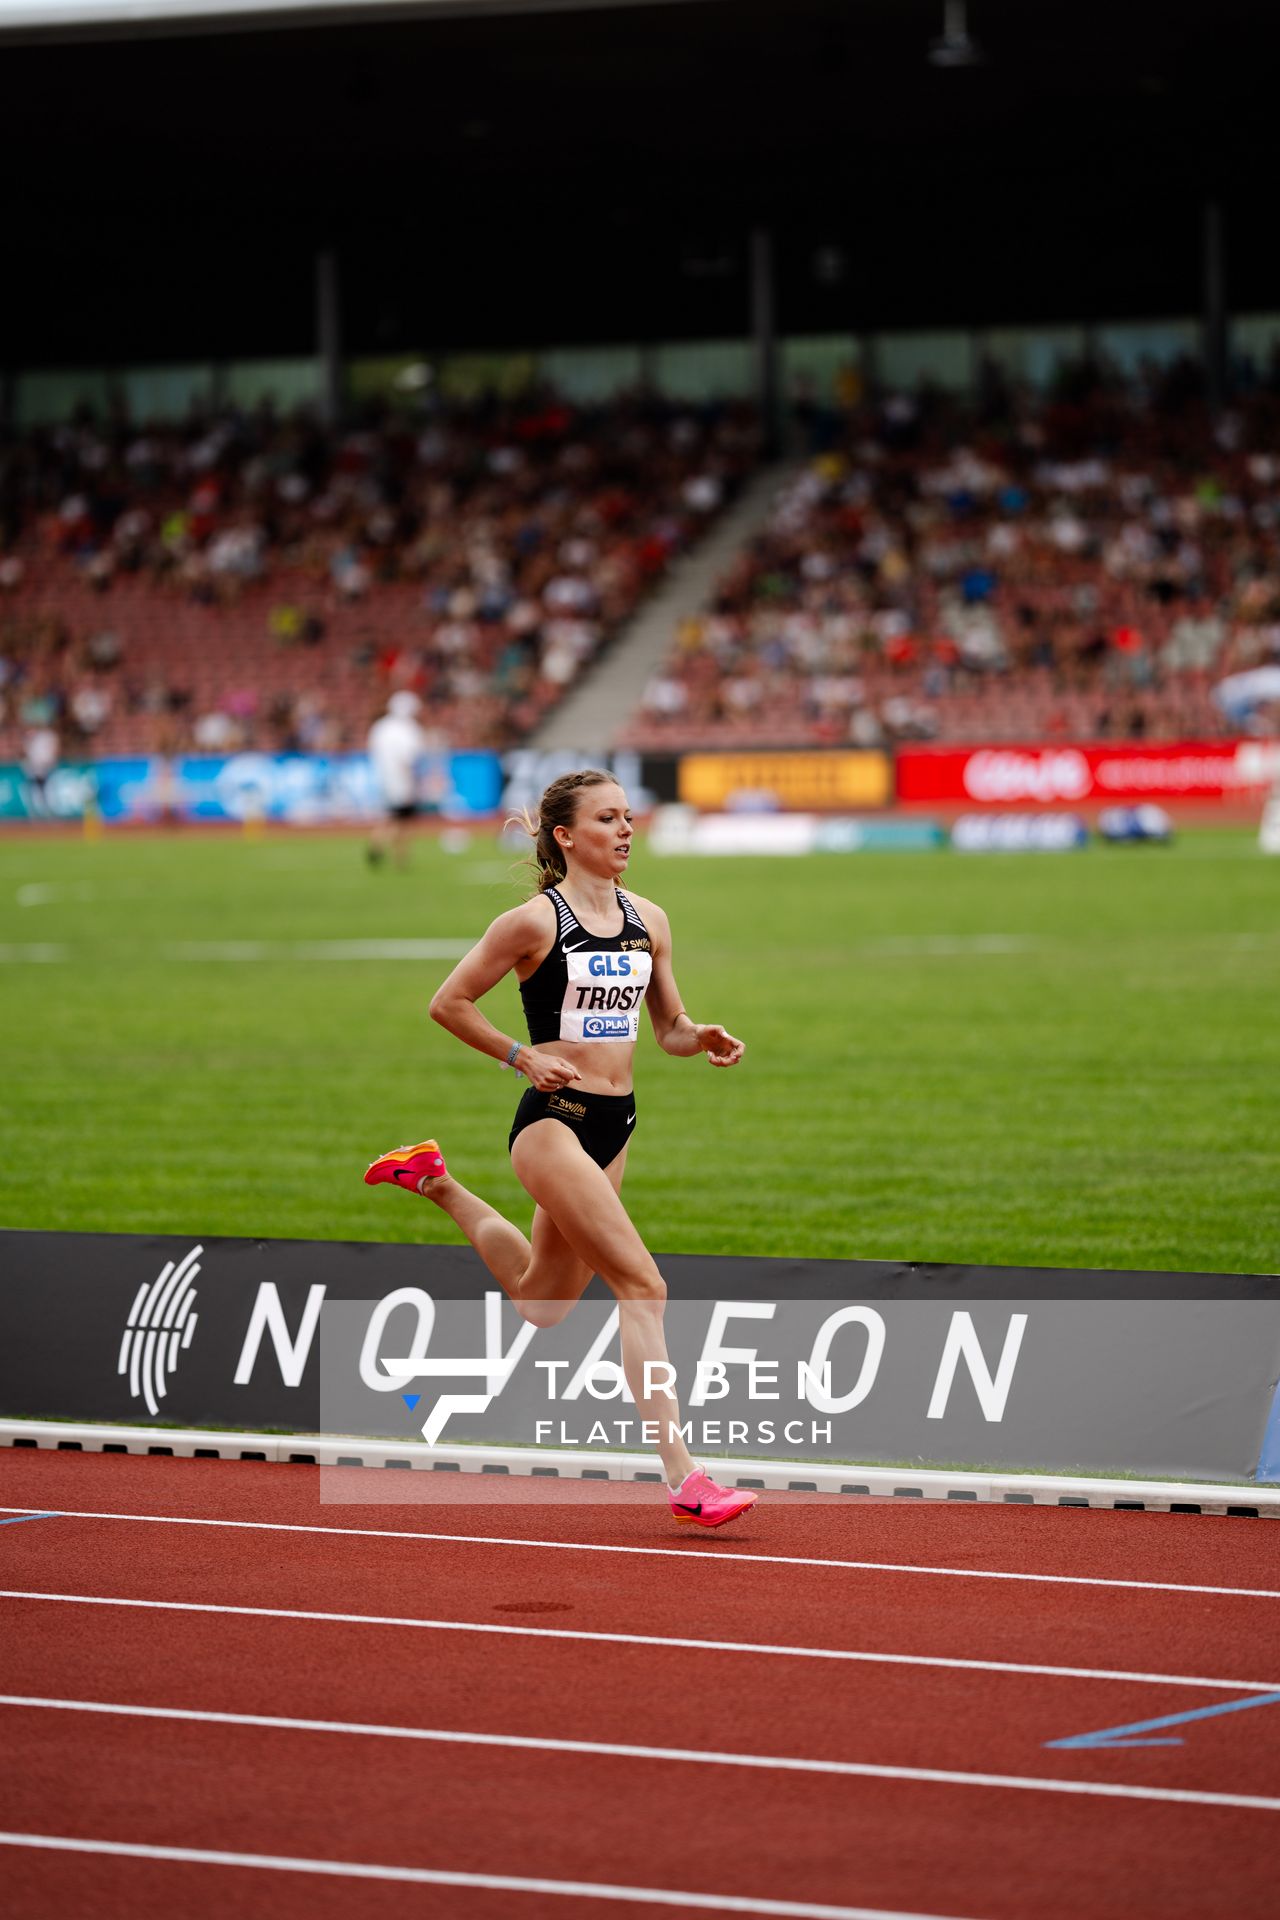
404	703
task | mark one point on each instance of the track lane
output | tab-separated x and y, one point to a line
991	1853
356	1882
1219	1636
38	1884
890	1715
619	1744
1067	1542
602	1691
686	1553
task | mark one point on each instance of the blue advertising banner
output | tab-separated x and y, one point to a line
63	796
302	789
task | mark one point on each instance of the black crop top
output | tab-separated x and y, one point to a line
590	986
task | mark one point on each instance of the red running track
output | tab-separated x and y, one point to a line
727	1837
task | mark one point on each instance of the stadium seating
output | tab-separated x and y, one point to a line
252	583
1068	572
1065	570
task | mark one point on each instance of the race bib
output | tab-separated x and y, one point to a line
604	996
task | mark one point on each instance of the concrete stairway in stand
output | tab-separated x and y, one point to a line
586	721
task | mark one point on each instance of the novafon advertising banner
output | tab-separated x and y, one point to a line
1064	775
1158	1374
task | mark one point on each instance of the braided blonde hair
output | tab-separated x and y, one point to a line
558	807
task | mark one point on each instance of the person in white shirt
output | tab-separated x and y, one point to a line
397	745
41	751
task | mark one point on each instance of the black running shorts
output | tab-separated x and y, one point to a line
602	1122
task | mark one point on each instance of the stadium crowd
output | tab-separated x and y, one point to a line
249	582
1090	566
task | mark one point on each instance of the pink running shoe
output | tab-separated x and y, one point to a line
699	1502
406	1166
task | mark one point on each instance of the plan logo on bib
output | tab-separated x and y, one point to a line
161	1323
606	1026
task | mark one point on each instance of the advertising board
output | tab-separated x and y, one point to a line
683	830
810	781
64	795
1019	833
1171	1375
1066	775
301	789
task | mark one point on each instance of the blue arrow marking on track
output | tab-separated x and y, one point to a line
411	1400
1122	1736
16	1518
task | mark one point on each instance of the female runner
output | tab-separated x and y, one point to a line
587	957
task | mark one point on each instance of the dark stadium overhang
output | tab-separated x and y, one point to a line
45	20
530	176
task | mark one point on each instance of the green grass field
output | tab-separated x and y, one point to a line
1055	1060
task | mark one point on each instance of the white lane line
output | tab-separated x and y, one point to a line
489	1882
381	949
696	1756
38	953
703	1554
43	893
942	945
856	1654
254	950
216	950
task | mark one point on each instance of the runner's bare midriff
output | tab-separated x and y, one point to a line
604	1065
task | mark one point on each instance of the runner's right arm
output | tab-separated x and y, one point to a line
513	937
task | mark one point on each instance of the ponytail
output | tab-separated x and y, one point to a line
557	808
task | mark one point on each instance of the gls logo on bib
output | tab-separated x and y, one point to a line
613	963
603	995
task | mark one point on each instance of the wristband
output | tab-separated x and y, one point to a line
510	1060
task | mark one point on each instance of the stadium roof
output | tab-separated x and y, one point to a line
49	19
546	176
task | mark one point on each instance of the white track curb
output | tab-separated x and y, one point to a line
780	1476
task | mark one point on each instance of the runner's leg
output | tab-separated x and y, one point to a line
544	1279
583	1202
556	1278
500	1244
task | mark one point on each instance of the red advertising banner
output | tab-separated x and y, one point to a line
1066	775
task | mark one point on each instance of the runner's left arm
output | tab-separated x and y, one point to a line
673	1029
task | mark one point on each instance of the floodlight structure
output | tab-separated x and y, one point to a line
956	47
